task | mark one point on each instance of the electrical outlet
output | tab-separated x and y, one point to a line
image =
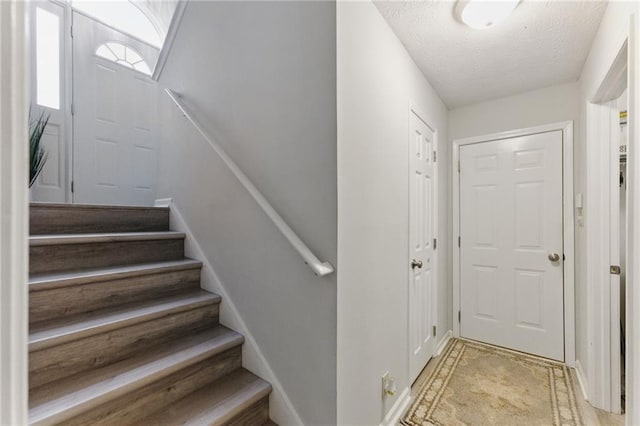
388	385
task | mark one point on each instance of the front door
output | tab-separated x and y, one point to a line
114	139
511	252
421	250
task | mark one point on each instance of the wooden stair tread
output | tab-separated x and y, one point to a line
48	281
64	399
214	404
58	239
94	323
37	204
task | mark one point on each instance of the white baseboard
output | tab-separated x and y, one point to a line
163	202
281	408
393	416
443	342
582	380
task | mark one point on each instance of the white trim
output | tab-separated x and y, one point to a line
318	267
167	44
393	416
443	342
613	245
633	229
68	75
163	202
615	80
14	255
568	228
603	335
582	380
597	255
569	246
281	408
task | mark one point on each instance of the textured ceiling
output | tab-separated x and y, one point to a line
541	44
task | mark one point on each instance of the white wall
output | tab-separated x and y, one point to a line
262	78
376	82
537	107
608	41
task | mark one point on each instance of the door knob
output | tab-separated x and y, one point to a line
554	257
416	264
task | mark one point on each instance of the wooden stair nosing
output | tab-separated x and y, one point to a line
95	324
67	239
48	205
216	403
64	399
49	281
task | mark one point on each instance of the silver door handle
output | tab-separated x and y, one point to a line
416	264
554	257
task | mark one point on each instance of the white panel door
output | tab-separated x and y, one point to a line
511	256
421	250
50	58
114	121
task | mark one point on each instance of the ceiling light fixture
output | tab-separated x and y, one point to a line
482	14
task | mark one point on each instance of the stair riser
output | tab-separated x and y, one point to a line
255	414
78	219
58	303
134	407
72	257
84	354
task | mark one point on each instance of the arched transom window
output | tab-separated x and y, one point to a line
123	55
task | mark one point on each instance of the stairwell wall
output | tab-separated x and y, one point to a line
261	78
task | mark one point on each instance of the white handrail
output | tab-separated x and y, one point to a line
319	268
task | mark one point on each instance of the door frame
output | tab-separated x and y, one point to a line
602	383
566	127
14	215
414	109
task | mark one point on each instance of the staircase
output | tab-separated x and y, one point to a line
120	332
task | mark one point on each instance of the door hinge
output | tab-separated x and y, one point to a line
459	316
459	240
73	109
458	166
614	270
71	31
435	243
434	156
72	188
434	331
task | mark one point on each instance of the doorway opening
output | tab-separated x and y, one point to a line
607	154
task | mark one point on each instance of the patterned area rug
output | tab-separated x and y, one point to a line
477	384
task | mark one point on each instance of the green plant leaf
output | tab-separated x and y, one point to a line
37	154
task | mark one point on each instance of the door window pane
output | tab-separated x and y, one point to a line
123	55
47	59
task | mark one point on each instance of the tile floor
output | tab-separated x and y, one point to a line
592	416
